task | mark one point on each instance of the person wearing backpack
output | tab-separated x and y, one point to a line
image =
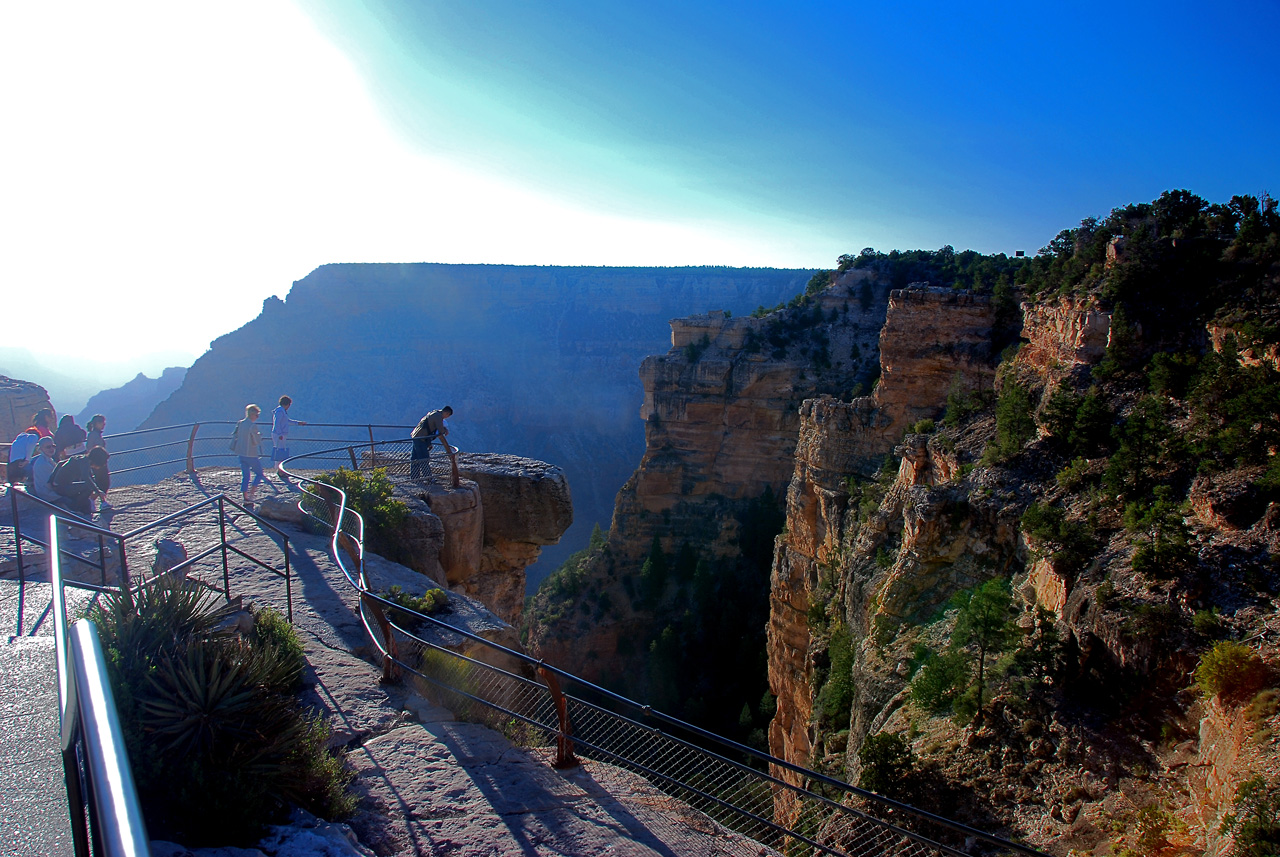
73	481
247	444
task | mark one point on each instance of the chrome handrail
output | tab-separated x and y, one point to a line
96	764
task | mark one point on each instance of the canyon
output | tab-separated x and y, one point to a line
537	361
891	513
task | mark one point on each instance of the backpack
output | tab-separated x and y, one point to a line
64	476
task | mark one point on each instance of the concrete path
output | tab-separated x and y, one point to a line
428	785
33	799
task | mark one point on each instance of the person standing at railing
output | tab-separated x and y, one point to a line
424	434
247	443
101	474
280	422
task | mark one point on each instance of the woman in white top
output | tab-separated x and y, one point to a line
247	443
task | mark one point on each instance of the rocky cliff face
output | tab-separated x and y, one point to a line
19	401
479	538
866	569
720	412
934	341
536	361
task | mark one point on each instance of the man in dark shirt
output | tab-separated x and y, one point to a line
75	482
428	429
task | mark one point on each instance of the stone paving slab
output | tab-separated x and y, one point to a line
33	799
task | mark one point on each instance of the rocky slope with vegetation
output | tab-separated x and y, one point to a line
1030	581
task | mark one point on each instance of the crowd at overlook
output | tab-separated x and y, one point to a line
67	465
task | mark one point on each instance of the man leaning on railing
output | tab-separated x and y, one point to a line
424	434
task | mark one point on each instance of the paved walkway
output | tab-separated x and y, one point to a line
33	798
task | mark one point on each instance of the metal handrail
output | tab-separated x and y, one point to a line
344	543
96	764
121	539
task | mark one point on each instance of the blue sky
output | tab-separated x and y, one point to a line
178	163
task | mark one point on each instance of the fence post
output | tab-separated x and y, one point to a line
453	461
564	740
191	444
352	452
373	451
288	585
17	544
222	529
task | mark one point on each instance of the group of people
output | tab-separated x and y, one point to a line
246	443
66	466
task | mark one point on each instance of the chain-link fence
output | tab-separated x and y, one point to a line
789	809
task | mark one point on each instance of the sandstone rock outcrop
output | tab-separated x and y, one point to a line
19	401
478	539
1063	335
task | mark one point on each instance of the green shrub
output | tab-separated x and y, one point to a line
271	629
429	603
1231	671
218	745
1067	542
939	681
1254	822
370	495
1014	422
1208	623
925	426
888	764
835	699
693	350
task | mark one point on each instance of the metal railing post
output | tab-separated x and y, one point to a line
222	527
191	446
373	450
288	583
351	451
564	740
125	583
17	544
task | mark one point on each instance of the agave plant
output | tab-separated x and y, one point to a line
217	741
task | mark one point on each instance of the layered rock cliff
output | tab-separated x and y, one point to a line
720	412
865	574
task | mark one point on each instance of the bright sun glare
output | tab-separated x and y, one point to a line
175	165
